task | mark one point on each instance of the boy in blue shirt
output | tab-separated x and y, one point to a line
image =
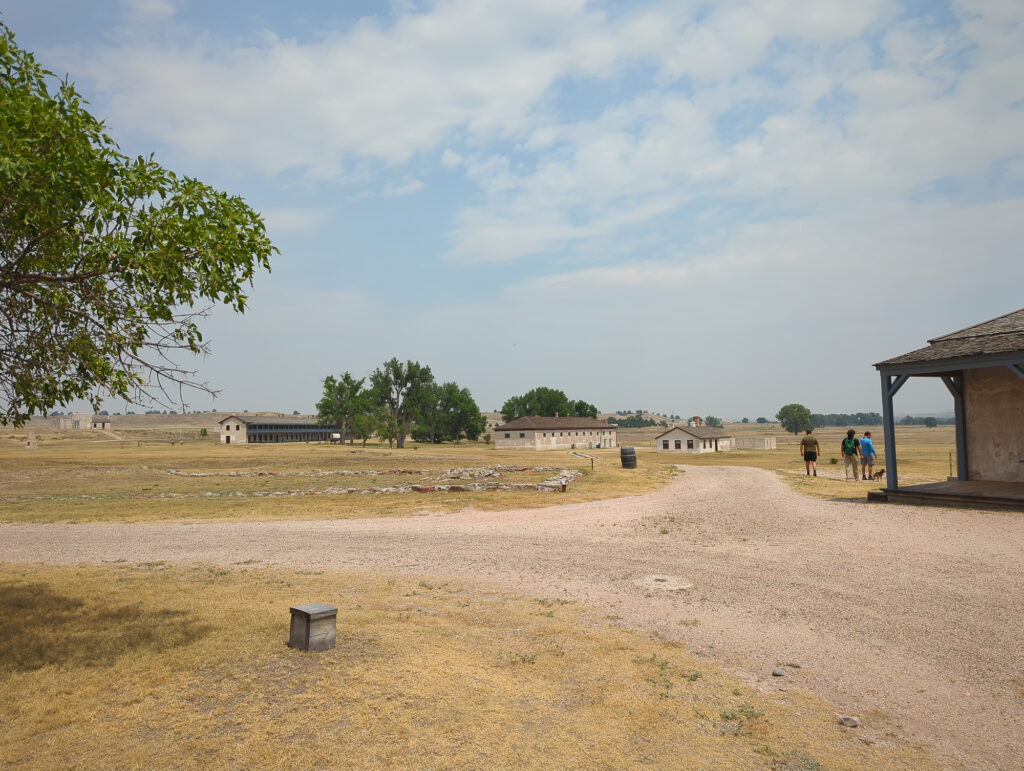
867	456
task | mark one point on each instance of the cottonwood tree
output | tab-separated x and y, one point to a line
447	413
582	409
107	262
795	418
344	398
399	388
545	401
364	426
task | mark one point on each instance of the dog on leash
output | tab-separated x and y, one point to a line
878	475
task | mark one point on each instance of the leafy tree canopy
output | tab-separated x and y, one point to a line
447	413
795	418
546	402
343	399
712	422
106	262
400	389
581	409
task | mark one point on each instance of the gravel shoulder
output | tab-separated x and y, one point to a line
909	617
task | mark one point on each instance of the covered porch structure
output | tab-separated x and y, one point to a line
983	368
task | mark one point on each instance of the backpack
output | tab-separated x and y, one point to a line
849	446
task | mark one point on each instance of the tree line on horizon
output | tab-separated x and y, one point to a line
796	418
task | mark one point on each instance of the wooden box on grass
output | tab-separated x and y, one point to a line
314	627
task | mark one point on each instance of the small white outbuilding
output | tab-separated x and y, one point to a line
693	439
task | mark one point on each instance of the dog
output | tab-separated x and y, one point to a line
878	475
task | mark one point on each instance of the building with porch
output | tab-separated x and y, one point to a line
694	439
983	368
543	433
264	429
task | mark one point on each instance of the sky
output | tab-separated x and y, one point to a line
684	207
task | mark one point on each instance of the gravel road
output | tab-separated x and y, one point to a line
908	617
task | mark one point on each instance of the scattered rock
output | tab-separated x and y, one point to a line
849	721
778	672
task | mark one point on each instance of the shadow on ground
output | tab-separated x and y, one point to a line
40	628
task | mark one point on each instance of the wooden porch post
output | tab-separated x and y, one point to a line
955	385
889	389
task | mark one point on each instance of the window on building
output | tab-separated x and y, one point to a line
689	444
679	444
664	444
545	434
522	436
508	436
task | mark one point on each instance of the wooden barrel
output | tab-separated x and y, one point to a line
628	457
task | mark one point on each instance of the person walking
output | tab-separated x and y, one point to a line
867	456
850	447
810	448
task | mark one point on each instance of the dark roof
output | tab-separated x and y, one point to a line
538	423
701	432
274	420
1004	334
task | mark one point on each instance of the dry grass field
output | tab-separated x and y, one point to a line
923	454
86	476
174	666
160	666
76	477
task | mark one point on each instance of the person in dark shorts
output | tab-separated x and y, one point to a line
867	456
810	448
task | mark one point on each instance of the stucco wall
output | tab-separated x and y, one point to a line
755	443
238	435
994	405
555	440
724	444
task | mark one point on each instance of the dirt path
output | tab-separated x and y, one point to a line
912	618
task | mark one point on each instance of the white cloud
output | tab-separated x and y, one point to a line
836	130
379	91
150	10
450	159
294	218
396	191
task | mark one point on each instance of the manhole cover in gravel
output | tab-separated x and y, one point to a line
664	583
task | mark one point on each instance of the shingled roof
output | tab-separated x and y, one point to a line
701	432
1001	335
274	420
538	423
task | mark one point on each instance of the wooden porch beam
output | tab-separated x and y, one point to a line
889	430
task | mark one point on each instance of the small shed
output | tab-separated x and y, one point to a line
693	439
983	368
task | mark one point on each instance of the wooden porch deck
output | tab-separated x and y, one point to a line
1003	495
